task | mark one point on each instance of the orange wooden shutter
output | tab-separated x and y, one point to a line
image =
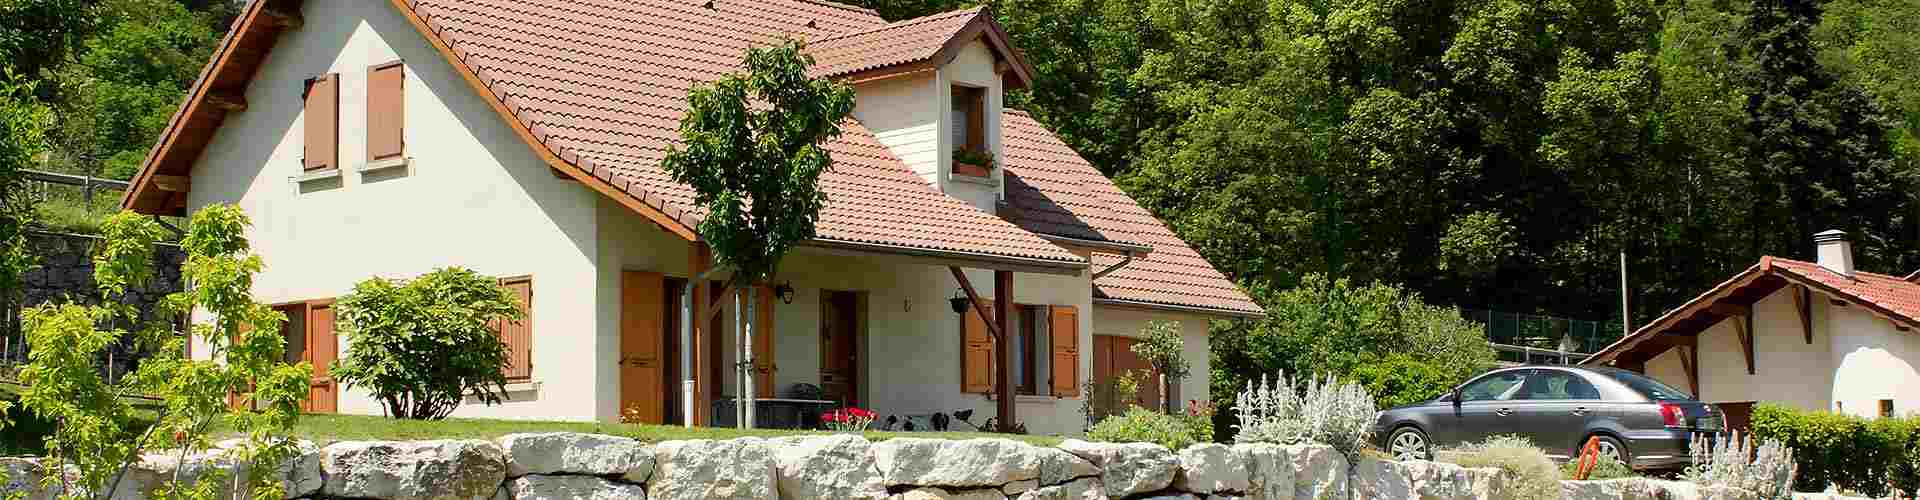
519	334
322	346
386	111
763	342
976	352
1066	351
323	122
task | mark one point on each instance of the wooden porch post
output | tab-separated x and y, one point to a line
699	259
1003	372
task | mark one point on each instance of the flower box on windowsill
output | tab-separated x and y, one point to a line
970	169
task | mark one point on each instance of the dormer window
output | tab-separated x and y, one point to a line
969	132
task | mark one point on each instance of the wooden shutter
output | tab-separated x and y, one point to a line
977	120
323	394
1065	335
519	334
763	342
976	352
386	111
323	122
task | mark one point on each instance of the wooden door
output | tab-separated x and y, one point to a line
643	306
840	347
323	396
1114	355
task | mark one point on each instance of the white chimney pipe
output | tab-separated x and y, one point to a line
1834	252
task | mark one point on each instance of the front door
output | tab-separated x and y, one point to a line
1113	355
643	307
310	338
840	347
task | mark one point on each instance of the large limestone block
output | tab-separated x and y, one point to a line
1378	479
578	454
1211	467
416	470
931	493
538	487
1078	489
705	469
1127	469
836	466
1269	471
964	464
1445	481
1319	472
1059	467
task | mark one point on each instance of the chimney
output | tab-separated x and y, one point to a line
1834	252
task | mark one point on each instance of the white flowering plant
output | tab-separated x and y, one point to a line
1732	461
1330	412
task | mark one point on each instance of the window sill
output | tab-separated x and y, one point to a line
401	162
1030	398
316	175
523	386
974	179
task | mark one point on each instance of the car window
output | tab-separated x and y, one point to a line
1495	387
1555	384
1647	386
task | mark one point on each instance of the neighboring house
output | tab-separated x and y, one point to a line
373	138
1812	335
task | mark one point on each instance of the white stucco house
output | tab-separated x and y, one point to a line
388	138
1819	336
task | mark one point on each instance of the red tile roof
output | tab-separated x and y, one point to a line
1052	190
603	83
1890	297
912	40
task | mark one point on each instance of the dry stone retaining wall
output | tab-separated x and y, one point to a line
587	466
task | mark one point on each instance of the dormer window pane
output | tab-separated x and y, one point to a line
968	117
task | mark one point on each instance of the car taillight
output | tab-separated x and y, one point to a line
1673	415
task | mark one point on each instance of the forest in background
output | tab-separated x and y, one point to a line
1487	154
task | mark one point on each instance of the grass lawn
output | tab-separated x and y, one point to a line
330	428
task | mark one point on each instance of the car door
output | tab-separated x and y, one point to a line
1484	405
1553	408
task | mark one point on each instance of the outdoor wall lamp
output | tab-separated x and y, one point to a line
960	301
785	292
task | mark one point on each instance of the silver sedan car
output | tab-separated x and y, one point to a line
1640	421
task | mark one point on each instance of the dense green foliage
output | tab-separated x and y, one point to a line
1606	467
244	383
1383	337
424	345
752	147
1857	454
23	139
1141	425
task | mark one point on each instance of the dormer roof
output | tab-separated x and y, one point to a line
916	44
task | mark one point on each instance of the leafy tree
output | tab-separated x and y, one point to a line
22	142
127	81
424	345
1161	345
751	146
39	34
96	430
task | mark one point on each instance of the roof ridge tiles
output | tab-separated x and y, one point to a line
904	23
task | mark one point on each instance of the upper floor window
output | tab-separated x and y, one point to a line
386	106
968	131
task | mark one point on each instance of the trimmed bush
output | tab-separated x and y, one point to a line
1853	453
1140	425
1530	473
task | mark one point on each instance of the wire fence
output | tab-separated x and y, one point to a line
1530	338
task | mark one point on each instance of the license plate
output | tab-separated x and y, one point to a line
1708	423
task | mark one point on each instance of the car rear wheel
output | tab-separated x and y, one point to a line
1408	443
1612	447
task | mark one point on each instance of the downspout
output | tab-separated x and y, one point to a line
750	387
739	369
687	347
1116	266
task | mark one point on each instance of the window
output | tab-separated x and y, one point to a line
386	112
1886	408
322	150
1555	384
1652	389
1496	387
969	117
519	334
1029	329
1044	349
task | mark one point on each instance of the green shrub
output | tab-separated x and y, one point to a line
1853	453
1530	474
1140	425
1606	468
424	345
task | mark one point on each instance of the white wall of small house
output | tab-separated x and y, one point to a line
475	196
1132	322
1855	360
904	114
